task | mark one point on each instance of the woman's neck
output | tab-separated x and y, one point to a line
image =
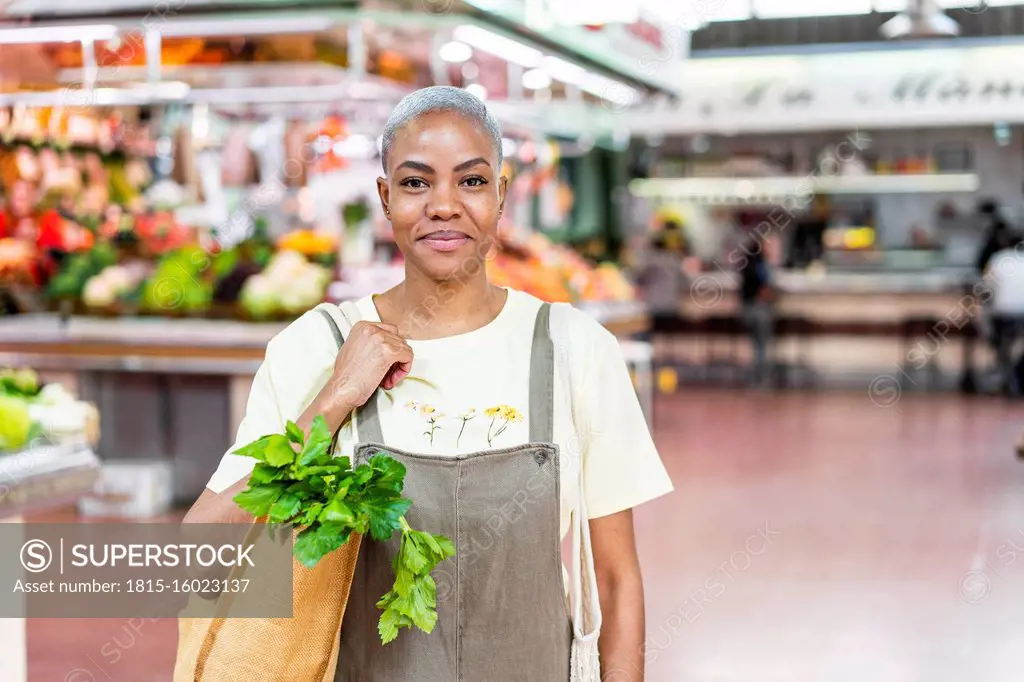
424	308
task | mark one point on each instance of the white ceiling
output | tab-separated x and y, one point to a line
733	10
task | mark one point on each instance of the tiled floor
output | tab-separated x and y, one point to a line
812	538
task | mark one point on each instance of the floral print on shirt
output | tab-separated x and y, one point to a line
501	416
432	415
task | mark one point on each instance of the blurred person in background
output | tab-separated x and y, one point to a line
998	235
661	276
806	246
1005	274
757	301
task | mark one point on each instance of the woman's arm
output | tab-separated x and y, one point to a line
621	591
220	507
374	355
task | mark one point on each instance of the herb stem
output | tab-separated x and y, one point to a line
405	525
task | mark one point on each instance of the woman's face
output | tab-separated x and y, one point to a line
443	193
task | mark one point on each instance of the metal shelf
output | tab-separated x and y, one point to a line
767	190
45	477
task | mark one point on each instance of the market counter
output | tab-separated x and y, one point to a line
858	325
193	346
176	389
42	478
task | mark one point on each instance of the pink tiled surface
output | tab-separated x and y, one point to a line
812	538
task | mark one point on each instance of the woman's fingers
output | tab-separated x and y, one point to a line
390	352
398	371
400	357
386	326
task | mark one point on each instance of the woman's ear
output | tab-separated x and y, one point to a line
384	192
502	193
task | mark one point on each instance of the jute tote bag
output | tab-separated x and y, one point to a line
303	648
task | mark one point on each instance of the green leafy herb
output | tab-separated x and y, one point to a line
295	434
413	599
297	482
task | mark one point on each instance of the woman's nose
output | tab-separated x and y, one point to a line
443	204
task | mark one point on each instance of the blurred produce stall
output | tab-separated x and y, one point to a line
173	193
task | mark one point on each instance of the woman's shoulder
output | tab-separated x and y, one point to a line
307	340
579	330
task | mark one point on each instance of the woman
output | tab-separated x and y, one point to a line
454	358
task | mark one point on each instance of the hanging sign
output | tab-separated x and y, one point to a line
890	88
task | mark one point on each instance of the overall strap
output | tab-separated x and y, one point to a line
542	380
369	430
335	330
368	426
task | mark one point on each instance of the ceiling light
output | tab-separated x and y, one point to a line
455	52
564	71
477	90
922	19
497	45
243	27
786	9
589	13
536	79
56	34
614	91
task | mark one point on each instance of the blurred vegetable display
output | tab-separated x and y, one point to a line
16	426
556	273
182	283
29	410
289	286
22	383
17	388
17	262
79	268
113	284
314	244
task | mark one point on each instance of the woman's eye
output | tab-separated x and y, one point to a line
413	183
475	181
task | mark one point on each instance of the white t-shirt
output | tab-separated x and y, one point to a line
1006	274
476	397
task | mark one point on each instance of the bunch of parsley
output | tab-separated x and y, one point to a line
307	487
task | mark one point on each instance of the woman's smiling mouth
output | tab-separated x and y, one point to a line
444	240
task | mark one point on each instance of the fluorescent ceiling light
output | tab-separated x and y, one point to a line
455	52
584	12
612	90
697	13
56	34
781	9
244	27
497	45
536	79
477	90
564	71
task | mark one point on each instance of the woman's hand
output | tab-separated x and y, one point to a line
373	355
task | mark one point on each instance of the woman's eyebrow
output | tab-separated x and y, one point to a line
472	162
415	165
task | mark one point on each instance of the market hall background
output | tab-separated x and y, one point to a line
806	227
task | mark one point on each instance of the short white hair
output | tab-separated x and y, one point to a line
439	98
